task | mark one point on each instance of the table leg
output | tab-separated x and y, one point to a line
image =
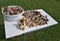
24	37
45	33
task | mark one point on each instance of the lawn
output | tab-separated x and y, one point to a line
52	7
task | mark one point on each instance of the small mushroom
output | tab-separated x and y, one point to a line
22	27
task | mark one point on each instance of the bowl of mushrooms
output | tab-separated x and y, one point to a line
12	13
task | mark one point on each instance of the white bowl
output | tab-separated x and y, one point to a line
12	18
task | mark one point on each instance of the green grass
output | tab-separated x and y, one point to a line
52	7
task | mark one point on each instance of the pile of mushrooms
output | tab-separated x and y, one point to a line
32	18
12	10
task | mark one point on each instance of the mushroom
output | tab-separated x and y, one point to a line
22	27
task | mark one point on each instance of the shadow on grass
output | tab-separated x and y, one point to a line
2	33
57	0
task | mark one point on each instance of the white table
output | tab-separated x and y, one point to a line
11	28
